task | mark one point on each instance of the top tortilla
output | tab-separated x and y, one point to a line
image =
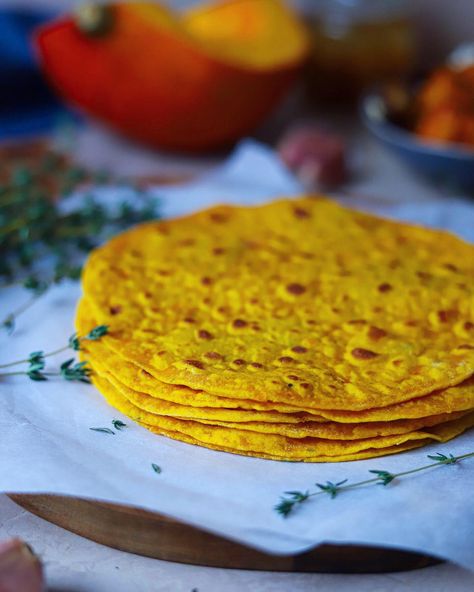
301	302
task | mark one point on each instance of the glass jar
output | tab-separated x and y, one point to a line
357	43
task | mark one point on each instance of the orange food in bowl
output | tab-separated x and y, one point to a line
445	106
191	82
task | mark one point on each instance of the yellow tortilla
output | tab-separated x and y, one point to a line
283	447
304	428
451	400
369	453
363	312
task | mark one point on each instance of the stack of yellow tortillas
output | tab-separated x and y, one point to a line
298	330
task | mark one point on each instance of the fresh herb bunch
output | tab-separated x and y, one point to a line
35	228
293	499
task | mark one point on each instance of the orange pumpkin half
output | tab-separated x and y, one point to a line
190	82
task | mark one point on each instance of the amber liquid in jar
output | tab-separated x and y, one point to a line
358	46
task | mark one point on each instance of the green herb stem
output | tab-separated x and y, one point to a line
287	504
21	309
103	430
26	360
36	229
24	373
74	343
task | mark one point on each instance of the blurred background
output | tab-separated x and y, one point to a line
383	69
440	25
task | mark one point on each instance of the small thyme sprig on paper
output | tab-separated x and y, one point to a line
156	468
118	425
287	505
69	370
74	343
103	430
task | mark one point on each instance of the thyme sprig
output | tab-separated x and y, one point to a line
118	425
103	430
294	499
37	287
68	370
35	227
74	343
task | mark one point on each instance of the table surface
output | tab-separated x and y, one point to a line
74	564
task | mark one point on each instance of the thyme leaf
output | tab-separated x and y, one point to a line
103	430
8	323
118	425
75	371
331	488
384	477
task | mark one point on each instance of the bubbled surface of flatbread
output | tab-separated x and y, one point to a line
192	402
101	358
300	302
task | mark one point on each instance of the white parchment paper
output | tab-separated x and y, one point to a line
46	444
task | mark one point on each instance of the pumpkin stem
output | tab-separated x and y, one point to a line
94	19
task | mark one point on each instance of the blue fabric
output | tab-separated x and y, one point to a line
15	49
27	105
